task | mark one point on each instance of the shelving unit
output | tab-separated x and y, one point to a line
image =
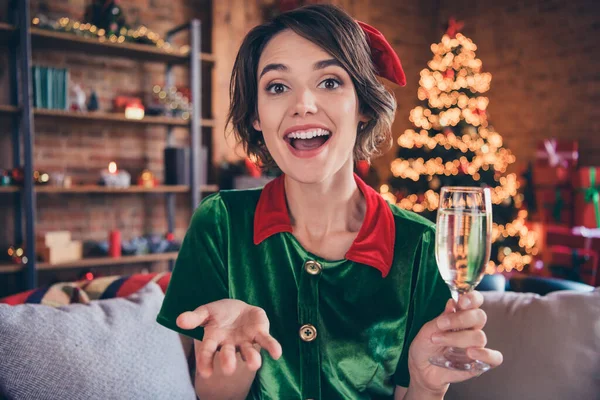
21	38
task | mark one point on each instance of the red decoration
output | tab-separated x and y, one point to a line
114	244
170	236
581	264
449	73
554	205
554	153
363	168
586	185
384	57
464	168
454	27
252	168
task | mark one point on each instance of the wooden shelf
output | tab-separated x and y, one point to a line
4	27
8	268
104	189
95	262
116	117
106	261
8	109
82	189
46	39
6	32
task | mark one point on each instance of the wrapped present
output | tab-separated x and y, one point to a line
579	265
578	237
557	153
545	175
554	204
586	182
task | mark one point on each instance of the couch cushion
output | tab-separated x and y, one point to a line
56	295
104	349
551	347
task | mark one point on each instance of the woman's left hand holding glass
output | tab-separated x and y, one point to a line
457	328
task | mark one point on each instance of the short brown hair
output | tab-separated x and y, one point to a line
337	33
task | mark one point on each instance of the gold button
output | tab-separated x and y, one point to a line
313	267
308	333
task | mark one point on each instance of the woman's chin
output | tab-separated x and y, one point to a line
305	175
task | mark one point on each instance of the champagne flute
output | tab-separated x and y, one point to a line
463	243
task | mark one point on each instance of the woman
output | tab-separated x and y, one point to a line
340	288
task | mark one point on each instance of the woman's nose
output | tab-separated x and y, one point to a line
305	103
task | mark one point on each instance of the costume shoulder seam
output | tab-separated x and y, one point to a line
231	197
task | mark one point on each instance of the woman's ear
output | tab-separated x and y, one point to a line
256	125
362	121
363	118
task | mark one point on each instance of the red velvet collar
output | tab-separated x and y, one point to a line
374	244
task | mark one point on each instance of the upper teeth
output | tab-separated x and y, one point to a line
309	134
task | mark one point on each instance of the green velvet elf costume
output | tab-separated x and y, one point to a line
345	326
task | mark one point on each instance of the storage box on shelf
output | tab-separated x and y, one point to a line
20	32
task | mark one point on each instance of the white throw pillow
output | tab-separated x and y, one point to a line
108	349
551	348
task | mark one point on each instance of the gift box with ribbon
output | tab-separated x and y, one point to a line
586	183
554	204
557	153
578	237
580	265
555	161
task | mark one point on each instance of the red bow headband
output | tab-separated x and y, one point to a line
384	57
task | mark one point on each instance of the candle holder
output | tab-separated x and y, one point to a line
113	177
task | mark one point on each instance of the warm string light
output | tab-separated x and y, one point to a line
140	34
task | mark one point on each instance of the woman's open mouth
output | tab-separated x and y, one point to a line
308	140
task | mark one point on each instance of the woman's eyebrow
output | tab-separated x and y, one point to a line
326	63
273	67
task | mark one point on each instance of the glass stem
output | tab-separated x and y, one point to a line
456	351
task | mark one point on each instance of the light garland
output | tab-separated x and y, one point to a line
140	35
452	87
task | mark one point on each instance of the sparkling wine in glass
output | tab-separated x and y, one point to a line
463	243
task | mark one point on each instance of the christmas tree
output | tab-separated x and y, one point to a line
453	144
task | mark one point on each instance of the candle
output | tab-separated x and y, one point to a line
114	177
114	244
134	110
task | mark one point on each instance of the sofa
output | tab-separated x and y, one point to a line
98	339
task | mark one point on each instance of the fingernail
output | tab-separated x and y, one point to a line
436	338
444	322
465	302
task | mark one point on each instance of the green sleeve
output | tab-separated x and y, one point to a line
429	294
200	273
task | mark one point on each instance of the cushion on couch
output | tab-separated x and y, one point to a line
108	287
551	348
106	349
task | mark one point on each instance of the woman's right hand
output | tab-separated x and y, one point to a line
229	326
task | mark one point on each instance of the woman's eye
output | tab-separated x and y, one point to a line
276	88
329	84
